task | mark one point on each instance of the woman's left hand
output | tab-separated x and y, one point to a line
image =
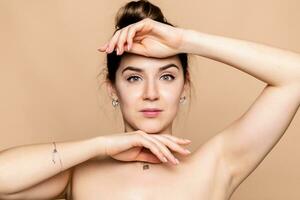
148	38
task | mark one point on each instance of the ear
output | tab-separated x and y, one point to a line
185	89
111	90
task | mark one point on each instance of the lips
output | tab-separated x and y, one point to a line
151	112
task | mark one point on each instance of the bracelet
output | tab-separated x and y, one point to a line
53	156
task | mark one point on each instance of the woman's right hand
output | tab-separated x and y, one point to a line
130	146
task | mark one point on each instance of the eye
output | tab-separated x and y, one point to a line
130	78
169	75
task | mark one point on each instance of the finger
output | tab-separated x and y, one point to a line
176	139
112	42
130	35
133	30
122	40
147	156
172	145
163	148
142	141
103	47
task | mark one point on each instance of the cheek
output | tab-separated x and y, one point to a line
171	101
171	94
129	100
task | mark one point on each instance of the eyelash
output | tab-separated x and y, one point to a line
129	78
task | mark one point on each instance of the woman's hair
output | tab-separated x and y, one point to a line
130	13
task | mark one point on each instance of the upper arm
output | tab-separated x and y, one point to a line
248	140
51	188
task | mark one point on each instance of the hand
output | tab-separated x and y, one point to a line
146	37
129	146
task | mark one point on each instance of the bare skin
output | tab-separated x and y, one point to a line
215	169
199	175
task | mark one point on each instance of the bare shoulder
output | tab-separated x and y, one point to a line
209	158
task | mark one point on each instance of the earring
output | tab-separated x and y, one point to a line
182	99
115	102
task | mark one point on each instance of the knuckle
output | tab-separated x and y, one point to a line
129	29
143	136
141	132
138	132
118	32
130	33
147	20
116	36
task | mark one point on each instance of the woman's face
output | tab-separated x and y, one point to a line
143	82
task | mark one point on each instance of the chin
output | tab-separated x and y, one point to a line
151	128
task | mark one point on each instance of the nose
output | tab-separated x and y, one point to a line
150	91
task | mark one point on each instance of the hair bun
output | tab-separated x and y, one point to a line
135	11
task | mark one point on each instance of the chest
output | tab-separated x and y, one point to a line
109	180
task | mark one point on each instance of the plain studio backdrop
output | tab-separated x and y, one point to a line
50	91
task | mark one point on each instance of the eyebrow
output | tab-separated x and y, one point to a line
141	70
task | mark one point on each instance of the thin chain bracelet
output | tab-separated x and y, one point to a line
53	156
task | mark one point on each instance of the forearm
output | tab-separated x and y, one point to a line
272	65
24	166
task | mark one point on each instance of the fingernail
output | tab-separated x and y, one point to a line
177	161
187	140
186	150
165	160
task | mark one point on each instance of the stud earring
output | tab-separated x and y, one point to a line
115	102
182	99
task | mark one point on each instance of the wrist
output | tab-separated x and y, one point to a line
99	143
192	42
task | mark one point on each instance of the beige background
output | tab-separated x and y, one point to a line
49	63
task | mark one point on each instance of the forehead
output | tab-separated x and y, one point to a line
147	63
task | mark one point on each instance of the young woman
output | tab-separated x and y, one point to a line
148	78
